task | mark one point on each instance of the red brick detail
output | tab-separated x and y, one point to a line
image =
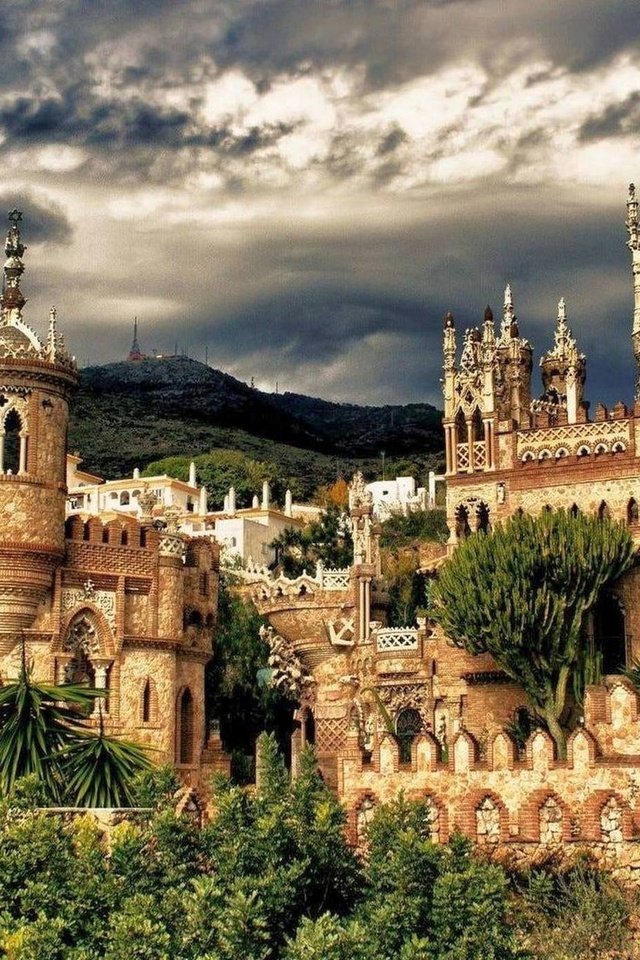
530	815
592	810
465	815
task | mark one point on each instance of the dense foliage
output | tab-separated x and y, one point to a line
44	731
272	878
522	593
219	470
400	550
327	539
422	526
238	694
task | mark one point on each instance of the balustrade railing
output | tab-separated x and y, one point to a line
397	638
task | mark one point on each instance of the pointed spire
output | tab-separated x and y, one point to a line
632	219
12	299
509	327
449	342
52	335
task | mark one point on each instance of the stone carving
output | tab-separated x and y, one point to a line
147	501
105	600
397	638
359	496
269	587
341	632
406	696
288	673
488	822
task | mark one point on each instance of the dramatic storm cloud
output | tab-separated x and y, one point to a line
303	187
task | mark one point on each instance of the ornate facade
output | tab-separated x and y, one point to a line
128	605
402	709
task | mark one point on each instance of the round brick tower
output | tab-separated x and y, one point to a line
36	381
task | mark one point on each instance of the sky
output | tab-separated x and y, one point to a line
303	188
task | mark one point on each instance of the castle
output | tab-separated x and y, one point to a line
128	605
506	451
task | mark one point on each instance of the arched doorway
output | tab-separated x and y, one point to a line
609	633
408	725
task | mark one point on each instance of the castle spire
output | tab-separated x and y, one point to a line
135	353
634	246
509	327
12	299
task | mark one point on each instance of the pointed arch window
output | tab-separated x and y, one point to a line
148	702
186	727
13	445
633	512
604	513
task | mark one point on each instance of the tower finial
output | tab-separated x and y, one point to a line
509	326
12	299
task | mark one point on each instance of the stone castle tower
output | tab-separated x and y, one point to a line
126	606
36	381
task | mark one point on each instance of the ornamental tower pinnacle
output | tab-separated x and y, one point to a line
634	245
12	299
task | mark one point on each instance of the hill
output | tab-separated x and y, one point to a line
128	414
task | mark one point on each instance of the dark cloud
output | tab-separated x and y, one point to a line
46	222
345	297
618	119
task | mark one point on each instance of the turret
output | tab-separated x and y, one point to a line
564	370
634	245
37	382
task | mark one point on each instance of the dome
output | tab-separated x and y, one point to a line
17	343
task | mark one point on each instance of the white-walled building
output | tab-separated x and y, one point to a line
93	495
401	496
244	533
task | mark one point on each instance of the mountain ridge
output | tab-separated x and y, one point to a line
130	413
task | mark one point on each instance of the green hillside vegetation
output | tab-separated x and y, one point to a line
128	415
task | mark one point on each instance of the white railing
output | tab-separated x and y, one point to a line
284	586
397	638
334	579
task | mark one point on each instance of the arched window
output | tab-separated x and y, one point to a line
82	643
148	702
12	442
462	522
633	514
477	426
186	727
462	432
603	511
482	517
125	499
574	510
408	725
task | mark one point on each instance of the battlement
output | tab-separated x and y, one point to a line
498	795
120	532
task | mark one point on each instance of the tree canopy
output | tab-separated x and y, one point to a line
522	593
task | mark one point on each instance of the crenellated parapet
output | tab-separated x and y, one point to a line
502	797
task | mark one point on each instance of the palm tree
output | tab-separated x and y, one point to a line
44	730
